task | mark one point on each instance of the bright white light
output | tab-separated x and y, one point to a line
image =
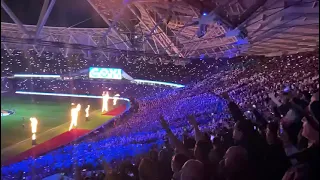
34	123
33	136
115	99
105	98
74	116
87	111
37	75
67	95
158	82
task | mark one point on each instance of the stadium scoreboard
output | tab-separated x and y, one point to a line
105	73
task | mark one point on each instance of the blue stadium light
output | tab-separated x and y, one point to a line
37	75
201	57
158	82
204	14
67	95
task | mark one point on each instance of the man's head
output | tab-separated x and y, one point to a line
310	128
242	129
189	142
192	170
178	161
154	155
235	159
216	142
147	169
163	155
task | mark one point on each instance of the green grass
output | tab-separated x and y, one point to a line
53	119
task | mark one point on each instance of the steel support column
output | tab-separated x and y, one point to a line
45	18
42	13
14	17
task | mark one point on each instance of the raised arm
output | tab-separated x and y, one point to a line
173	139
198	133
234	109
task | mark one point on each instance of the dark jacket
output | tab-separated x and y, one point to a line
276	161
310	157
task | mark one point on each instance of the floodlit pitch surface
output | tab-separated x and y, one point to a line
53	114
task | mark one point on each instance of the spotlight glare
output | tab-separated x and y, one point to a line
105	98
87	111
74	116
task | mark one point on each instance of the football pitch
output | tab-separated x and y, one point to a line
53	114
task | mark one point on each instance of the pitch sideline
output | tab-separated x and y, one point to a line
16	144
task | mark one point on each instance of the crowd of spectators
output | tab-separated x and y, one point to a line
124	88
56	63
255	121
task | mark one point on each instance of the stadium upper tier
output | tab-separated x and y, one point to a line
179	29
27	62
84	87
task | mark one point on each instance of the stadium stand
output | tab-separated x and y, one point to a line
213	106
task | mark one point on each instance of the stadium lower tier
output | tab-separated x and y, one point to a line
131	135
53	115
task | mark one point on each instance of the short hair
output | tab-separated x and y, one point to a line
180	159
194	169
189	143
147	169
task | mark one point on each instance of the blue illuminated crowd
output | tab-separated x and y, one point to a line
235	120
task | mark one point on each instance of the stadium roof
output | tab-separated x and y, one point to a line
176	28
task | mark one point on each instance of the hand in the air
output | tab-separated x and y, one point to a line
192	120
164	123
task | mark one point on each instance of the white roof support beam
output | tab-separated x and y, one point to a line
111	26
44	15
125	42
271	31
43	11
92	42
6	48
148	21
14	17
164	35
148	28
278	46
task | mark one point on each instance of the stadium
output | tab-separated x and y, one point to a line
121	89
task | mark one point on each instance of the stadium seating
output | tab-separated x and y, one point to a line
215	96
